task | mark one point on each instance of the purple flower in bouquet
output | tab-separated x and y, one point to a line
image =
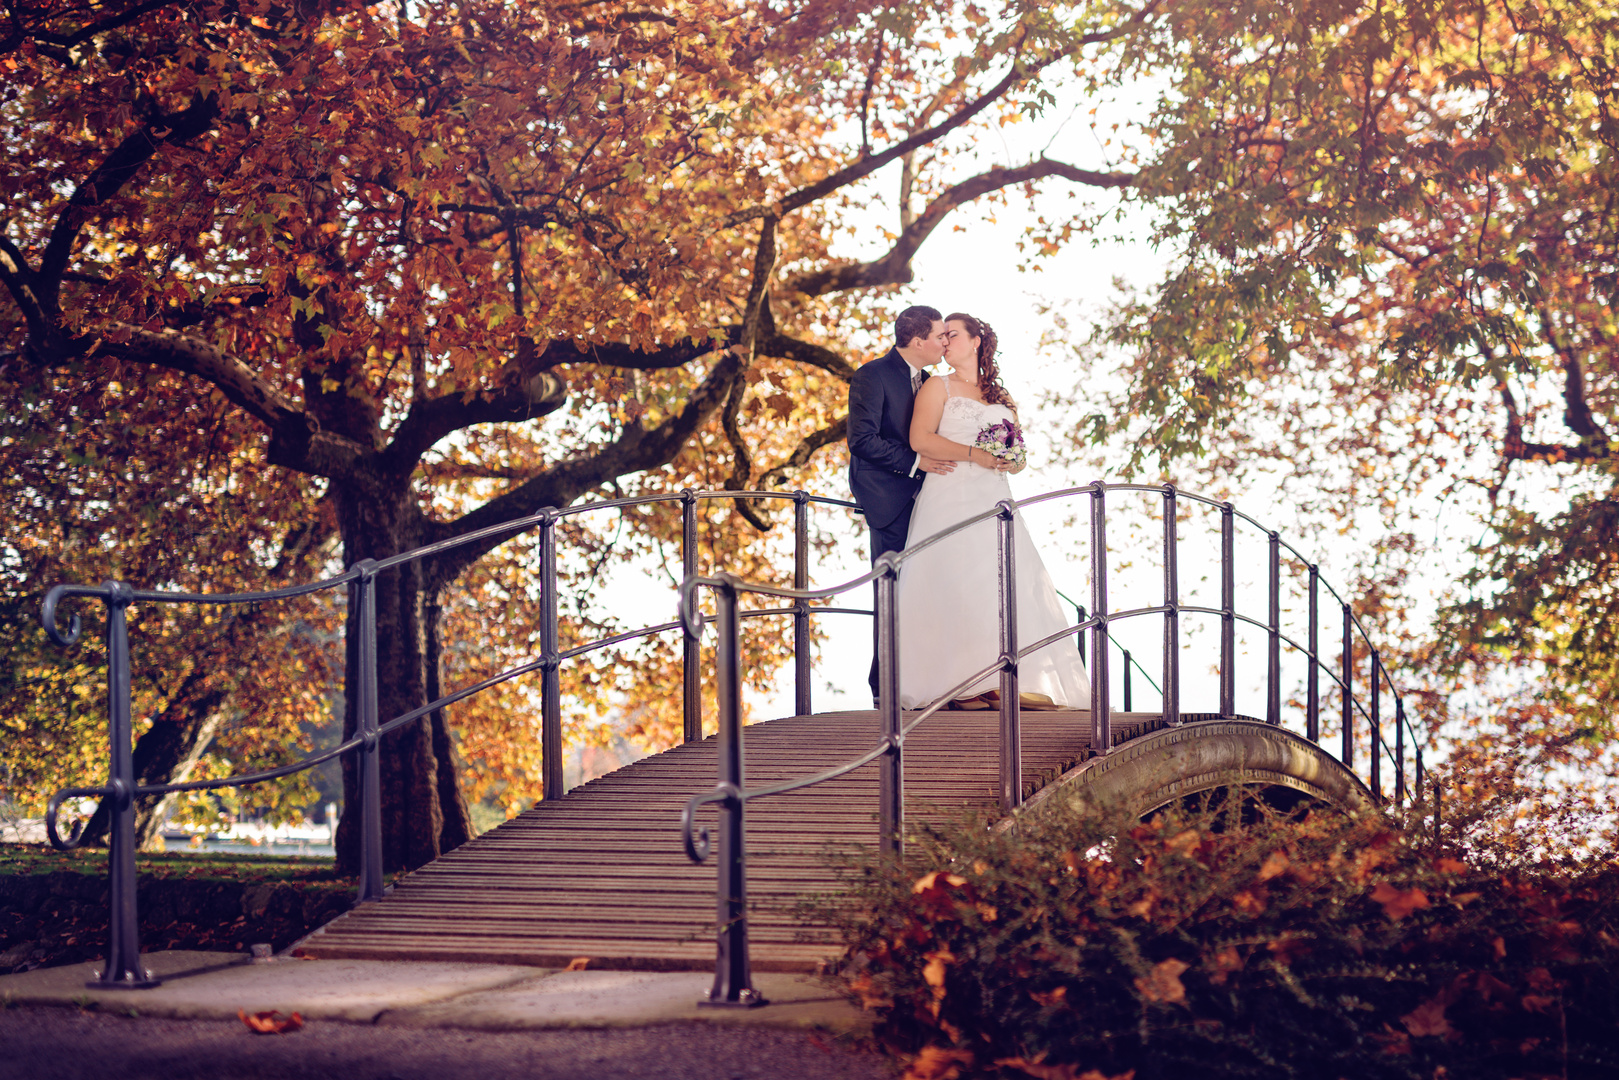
1004	439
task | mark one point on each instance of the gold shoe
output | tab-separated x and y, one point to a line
1036	702
969	704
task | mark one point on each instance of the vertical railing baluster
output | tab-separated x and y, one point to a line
1416	760
551	781
1079	610
733	977
1228	610
802	705
1399	752
1011	704
373	885
123	968
1312	682
691	663
1273	656
1101	713
891	766
1377	732
1348	677
1129	698
1172	600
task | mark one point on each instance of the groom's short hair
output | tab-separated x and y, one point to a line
914	322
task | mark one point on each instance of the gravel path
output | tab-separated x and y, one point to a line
65	1044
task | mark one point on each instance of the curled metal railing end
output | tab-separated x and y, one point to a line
696	840
54	807
1006	507
690	609
47	617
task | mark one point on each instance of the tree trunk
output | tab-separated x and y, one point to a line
423	814
165	754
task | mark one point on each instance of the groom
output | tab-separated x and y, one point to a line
884	472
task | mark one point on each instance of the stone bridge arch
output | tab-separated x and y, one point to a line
1171	763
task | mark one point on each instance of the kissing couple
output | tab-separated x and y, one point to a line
929	451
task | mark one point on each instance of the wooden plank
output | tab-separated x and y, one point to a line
600	872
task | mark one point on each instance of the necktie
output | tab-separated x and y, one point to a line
916	380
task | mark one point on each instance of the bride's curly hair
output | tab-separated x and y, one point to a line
989	372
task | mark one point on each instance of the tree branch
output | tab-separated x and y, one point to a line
755	313
804	352
815	440
637	449
894	268
107	178
433	419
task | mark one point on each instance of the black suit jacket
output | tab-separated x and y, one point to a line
880	455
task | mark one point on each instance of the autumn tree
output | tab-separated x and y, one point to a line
1395	243
442	265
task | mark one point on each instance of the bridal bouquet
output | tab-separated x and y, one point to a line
1004	439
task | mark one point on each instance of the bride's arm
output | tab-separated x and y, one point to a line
925	437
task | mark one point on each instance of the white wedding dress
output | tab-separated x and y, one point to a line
949	608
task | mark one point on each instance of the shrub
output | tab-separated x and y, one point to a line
1235	942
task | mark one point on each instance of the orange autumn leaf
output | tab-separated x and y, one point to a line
1163	984
1428	1020
271	1023
937	1063
578	963
1275	863
1398	903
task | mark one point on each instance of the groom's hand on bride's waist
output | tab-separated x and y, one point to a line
935	465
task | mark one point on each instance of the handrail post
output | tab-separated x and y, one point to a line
1312	682
1101	714
891	766
802	706
1399	752
1172	616
1348	659
1273	660
733	979
1128	697
551	775
1228	610
691	666
1377	732
368	766
123	968
1011	705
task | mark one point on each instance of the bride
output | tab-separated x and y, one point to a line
949	594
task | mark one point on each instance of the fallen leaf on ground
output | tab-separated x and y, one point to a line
271	1023
578	963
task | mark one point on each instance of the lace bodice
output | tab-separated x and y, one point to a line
963	418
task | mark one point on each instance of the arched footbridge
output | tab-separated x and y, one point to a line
698	855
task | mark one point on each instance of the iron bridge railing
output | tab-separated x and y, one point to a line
123	967
733	980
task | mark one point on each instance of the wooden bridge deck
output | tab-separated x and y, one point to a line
600	873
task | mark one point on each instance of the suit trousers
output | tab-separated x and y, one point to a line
890	537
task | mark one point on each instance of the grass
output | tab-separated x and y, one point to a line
30	859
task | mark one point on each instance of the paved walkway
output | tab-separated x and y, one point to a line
406	1019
